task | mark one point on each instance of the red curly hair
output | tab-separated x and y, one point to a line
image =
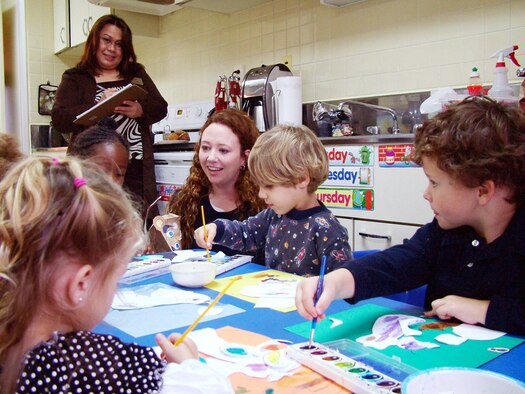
186	202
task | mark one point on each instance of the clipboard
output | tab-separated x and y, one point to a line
106	107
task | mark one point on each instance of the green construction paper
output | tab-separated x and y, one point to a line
358	322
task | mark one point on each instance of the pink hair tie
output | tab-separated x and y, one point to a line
79	182
55	161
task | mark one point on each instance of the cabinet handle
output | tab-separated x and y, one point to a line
90	23
85	28
62	34
366	235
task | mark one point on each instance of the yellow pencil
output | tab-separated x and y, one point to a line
205	233
190	328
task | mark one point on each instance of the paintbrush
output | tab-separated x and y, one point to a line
205	233
317	295
212	304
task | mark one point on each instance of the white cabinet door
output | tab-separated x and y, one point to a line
95	12
60	25
376	235
82	17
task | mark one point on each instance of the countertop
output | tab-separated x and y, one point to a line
350	140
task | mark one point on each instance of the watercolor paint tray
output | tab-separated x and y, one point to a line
232	262
353	366
143	267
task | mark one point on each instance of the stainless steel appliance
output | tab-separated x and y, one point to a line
46	136
258	96
173	158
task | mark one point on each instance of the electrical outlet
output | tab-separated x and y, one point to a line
287	60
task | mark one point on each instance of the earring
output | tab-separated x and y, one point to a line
242	167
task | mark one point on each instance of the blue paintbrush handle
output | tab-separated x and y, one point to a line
318	293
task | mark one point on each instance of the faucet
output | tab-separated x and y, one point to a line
395	124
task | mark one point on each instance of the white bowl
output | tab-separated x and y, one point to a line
460	381
193	273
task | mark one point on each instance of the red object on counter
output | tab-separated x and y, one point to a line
220	94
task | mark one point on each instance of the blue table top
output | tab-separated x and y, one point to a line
271	323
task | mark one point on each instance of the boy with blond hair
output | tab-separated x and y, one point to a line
472	255
288	163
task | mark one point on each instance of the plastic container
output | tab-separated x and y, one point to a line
474	85
460	381
500	85
193	273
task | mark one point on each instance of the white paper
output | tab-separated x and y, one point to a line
479	333
155	294
289	100
257	362
450	339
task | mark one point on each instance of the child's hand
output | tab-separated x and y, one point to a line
304	298
177	354
337	284
468	310
211	231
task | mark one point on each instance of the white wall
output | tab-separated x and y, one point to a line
367	49
371	48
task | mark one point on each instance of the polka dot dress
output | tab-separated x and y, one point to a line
84	362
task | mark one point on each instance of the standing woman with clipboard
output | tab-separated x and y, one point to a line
108	64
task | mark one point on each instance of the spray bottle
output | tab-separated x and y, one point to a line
500	86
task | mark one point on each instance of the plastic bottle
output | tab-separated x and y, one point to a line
474	85
500	84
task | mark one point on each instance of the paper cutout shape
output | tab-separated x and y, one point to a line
155	294
254	279
254	361
335	322
388	331
450	339
479	333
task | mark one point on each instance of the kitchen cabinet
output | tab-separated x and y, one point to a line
61	25
82	16
376	235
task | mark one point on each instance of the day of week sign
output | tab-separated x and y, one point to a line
350	155
362	199
350	176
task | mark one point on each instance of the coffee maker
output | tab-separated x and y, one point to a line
258	96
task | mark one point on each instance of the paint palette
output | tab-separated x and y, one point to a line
143	267
352	366
231	262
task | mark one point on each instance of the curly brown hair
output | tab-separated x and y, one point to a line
186	202
475	141
9	153
128	66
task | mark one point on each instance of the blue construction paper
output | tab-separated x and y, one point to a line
141	322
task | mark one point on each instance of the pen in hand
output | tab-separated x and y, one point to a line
317	295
